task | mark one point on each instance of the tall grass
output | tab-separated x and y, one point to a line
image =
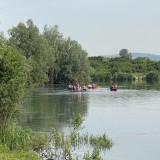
16	137
6	154
16	144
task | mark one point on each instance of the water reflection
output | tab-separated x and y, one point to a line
47	108
139	85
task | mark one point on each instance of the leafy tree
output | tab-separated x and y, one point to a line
35	48
56	41
3	40
152	76
124	53
80	69
125	67
24	37
157	65
71	62
140	64
12	83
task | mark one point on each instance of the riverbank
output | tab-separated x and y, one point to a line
6	154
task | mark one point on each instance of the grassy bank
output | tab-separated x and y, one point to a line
6	154
17	143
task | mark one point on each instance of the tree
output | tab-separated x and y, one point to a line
76	64
3	40
13	73
71	62
35	48
124	53
152	76
24	37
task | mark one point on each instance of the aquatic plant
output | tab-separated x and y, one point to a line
76	144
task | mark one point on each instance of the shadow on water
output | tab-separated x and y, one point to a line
46	108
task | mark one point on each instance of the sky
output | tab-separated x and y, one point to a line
102	27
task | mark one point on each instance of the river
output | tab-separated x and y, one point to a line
130	116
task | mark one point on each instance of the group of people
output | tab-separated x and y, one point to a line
77	87
92	86
113	87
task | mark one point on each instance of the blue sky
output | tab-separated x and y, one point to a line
102	27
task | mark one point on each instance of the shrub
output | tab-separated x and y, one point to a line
152	76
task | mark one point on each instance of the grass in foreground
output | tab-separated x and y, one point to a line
6	154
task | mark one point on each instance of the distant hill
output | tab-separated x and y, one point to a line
152	57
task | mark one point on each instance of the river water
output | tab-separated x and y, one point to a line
130	116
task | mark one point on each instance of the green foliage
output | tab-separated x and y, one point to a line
6	154
3	40
24	37
35	48
124	77
71	63
37	75
16	138
122	69
12	83
101	72
125	54
100	142
50	55
95	155
102	77
55	59
68	145
152	76
38	141
77	121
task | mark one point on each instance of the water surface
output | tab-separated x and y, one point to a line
130	116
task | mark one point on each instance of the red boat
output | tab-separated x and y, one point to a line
77	88
92	86
113	87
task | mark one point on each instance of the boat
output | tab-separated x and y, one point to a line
77	88
92	86
113	87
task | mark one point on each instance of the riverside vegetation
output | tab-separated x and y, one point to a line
17	143
28	59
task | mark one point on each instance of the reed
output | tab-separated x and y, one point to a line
68	145
6	154
16	137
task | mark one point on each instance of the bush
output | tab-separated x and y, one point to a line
124	77
152	76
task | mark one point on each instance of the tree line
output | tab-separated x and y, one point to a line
52	58
124	68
